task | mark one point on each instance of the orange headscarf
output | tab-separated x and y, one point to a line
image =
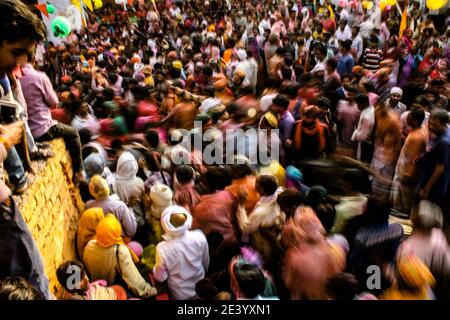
109	233
87	227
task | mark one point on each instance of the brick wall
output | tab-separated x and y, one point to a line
51	207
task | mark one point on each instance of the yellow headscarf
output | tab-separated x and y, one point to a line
109	233
275	169
87	227
98	187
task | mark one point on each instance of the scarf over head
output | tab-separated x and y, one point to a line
98	187
161	196
126	181
171	230
109	233
87	227
94	164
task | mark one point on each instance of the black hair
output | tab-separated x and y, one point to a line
286	73
332	63
86	151
116	144
306	77
184	174
369	86
326	214
422	100
267	185
174	73
376	212
250	279
280	51
208	70
343	286
17	288
417	114
108	93
281	100
152	137
288	60
85	136
240	170
112	77
206	289
352	89
362	99
440	115
323	102
65	273
290	198
290	89
218	178
347	45
18	22
322	49
209	91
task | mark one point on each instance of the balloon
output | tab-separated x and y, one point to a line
50	8
98	4
435	4
364	4
391	2
383	4
61	27
388	7
369	5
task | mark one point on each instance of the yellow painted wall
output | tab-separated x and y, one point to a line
52	207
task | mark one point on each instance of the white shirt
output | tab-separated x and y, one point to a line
365	125
208	104
365	28
266	101
357	44
182	261
263	25
343	35
89	123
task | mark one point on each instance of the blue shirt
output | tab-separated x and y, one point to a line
439	154
345	65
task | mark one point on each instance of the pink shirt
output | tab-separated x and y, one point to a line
40	97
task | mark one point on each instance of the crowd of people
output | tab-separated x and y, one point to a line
356	101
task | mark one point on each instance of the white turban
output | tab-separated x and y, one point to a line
396	90
161	196
242	54
172	231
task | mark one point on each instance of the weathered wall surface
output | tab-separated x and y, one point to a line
51	207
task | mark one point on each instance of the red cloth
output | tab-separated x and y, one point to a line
216	212
60	115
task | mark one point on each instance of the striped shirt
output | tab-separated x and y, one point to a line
372	58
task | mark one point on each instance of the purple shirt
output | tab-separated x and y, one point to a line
285	125
40	97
